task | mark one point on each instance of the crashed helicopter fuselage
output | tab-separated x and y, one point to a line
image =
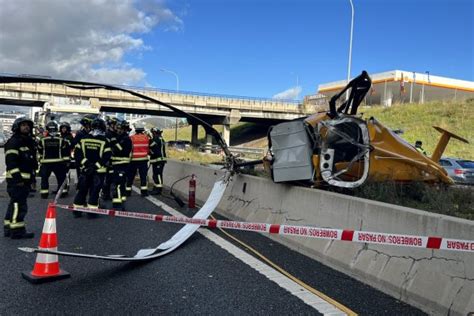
339	148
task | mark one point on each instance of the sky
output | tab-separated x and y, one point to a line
255	48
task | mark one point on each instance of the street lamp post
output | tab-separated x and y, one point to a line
177	90
350	49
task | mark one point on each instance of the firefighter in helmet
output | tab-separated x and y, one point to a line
83	132
111	135
20	160
52	149
157	159
140	149
92	153
121	155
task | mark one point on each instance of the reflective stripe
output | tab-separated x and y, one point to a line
6	222
15	213
12	151
119	146
92	206
128	188
119	162
124	198
51	160
159	179
98	165
83	161
44	191
77	205
107	149
121	158
25	175
66	158
102	170
17	225
117	200
24	148
140	159
13	171
144	188
47	258
49	226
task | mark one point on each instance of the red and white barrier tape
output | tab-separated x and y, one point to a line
301	231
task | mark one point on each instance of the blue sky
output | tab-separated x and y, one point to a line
256	48
259	48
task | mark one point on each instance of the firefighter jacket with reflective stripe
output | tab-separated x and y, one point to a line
111	137
52	149
79	135
20	158
157	149
68	140
141	146
93	151
122	150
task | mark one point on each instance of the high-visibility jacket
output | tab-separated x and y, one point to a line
53	149
121	150
157	149
20	158
141	147
93	151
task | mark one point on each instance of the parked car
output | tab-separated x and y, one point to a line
460	170
179	144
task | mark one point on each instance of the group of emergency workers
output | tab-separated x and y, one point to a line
106	162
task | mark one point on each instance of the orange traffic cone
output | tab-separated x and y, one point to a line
47	266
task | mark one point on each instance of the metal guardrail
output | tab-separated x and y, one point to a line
192	93
243	151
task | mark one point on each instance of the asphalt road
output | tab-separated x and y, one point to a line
200	277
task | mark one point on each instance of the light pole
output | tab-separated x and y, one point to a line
177	90
350	49
423	87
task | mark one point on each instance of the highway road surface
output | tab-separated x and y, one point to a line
209	274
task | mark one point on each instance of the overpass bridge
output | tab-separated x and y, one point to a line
214	109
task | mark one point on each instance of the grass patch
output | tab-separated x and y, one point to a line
417	121
453	201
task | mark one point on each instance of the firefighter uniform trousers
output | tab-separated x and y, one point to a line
53	155
112	139
20	159
121	154
142	167
158	161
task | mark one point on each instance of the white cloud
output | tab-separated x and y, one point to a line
289	94
79	39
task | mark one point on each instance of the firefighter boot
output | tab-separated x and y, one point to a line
21	233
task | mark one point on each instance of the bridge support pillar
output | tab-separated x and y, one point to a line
208	143
226	133
194	134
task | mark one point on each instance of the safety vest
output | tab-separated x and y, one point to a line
140	147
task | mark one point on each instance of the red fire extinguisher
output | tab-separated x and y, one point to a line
192	192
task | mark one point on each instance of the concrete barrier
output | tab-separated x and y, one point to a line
436	281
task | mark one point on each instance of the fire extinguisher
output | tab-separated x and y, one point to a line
192	192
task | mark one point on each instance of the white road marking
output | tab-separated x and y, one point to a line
294	288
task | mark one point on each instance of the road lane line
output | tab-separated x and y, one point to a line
282	280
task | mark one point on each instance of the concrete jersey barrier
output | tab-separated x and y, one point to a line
437	281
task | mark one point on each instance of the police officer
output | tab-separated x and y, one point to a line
52	149
121	155
83	132
92	154
157	159
111	136
141	146
66	134
20	160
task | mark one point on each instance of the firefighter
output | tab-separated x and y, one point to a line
20	160
83	132
111	136
66	134
141	145
121	155
51	150
92	153
157	159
